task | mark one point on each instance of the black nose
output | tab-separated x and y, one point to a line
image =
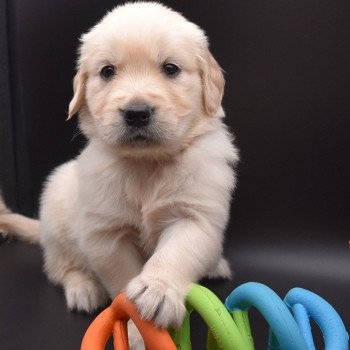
137	114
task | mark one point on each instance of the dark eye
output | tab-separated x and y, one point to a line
107	72
171	70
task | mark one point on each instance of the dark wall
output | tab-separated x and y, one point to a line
7	152
287	100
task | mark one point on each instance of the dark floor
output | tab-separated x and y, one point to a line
33	314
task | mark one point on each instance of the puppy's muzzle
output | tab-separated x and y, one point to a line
137	114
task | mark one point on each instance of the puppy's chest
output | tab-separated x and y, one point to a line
127	198
143	191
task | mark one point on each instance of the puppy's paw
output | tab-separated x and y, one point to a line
84	294
136	344
157	300
222	270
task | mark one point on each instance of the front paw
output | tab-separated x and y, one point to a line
157	300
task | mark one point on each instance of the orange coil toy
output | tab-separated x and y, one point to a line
113	321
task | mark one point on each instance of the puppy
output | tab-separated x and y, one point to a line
144	207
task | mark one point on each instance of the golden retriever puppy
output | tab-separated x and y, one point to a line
144	207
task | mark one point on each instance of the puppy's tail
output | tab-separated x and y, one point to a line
18	225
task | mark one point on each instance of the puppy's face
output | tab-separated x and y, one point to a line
146	81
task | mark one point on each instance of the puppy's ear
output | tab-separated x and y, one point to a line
213	83
79	93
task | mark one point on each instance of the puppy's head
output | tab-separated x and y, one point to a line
146	81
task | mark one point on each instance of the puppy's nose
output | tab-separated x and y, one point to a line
137	114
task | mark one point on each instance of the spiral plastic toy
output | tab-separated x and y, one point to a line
228	325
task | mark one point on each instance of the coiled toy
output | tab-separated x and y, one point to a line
228	325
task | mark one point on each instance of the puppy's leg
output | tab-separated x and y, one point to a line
185	252
135	340
114	257
82	289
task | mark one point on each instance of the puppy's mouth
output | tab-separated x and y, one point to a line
139	139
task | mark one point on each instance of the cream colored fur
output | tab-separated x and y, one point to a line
145	218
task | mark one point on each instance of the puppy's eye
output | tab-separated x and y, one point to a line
107	72
171	70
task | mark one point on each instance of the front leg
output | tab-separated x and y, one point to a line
186	251
114	257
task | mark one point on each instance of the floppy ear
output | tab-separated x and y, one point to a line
79	93
213	83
